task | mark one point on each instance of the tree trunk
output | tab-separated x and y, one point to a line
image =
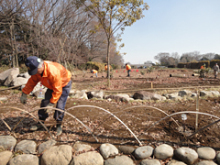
108	62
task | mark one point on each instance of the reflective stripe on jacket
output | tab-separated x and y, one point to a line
128	67
55	76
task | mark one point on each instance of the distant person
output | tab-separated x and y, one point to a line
202	70
128	68
95	72
106	69
216	70
57	79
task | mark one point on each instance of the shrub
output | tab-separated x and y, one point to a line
95	65
142	72
151	69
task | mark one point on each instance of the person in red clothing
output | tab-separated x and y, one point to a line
128	68
57	79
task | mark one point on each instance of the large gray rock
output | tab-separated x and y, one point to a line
143	152
125	97
206	162
26	146
184	93
209	93
5	157
24	75
57	155
206	153
7	76
46	145
126	149
78	94
95	94
13	74
119	160
187	155
26	159
163	151
176	162
142	95
108	150
81	147
158	97
8	142
88	158
19	81
174	96
150	162
117	98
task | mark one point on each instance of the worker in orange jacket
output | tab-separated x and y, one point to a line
95	72
106	69
58	81
128	68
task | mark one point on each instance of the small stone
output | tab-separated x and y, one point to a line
119	160
150	162
206	162
46	145
143	152
187	155
81	147
163	151
8	142
5	157
206	153
26	146
25	159
108	150
126	149
57	155
88	158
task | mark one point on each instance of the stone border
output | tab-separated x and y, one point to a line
25	153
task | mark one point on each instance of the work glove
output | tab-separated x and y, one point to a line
48	107
23	98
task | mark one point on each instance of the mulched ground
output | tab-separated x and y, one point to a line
138	116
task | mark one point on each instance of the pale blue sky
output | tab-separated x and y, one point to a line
173	26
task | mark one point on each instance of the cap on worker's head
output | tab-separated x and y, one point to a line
32	64
91	71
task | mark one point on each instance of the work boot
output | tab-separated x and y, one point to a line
36	127
59	129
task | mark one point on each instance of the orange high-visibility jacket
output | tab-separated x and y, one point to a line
55	76
94	71
106	67
128	67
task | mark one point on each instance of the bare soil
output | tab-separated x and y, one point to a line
139	116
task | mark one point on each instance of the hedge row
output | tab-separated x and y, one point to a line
197	65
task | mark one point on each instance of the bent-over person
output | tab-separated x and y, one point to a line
57	79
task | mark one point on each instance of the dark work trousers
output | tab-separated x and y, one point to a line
58	115
128	73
